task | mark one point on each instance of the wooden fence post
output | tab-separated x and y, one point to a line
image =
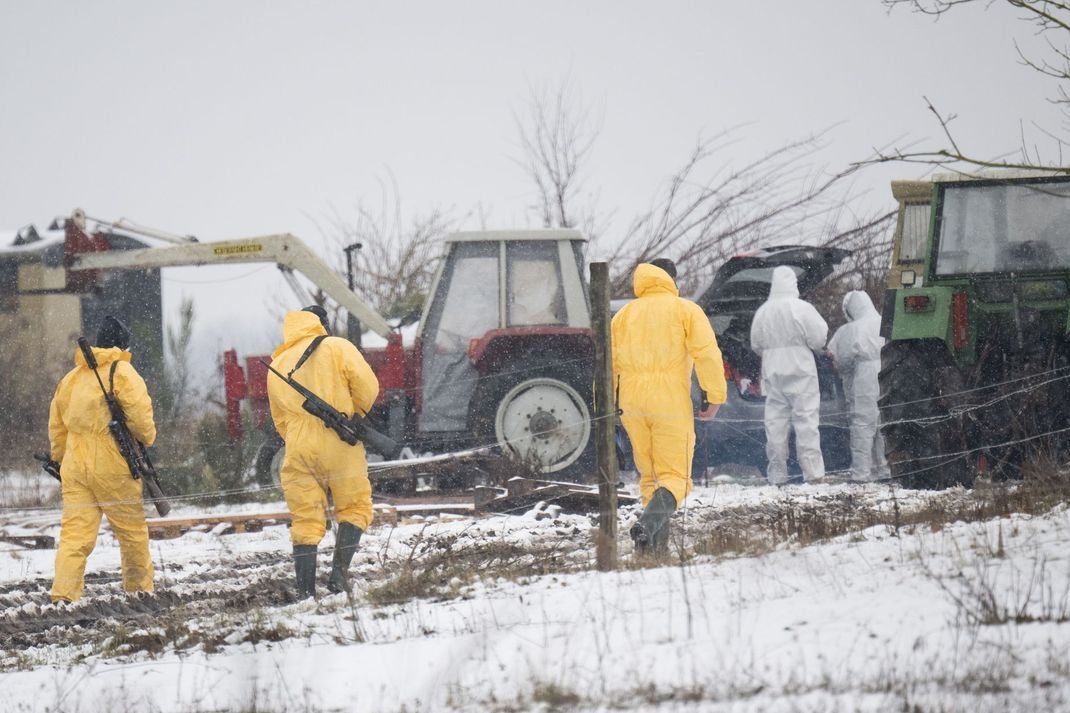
605	407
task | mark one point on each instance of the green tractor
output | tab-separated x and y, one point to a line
975	372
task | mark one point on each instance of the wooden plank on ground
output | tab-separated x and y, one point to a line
33	542
385	514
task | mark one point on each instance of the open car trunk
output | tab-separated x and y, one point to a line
742	285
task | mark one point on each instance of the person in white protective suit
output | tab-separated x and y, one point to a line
856	347
785	332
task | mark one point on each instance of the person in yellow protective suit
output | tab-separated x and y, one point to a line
657	340
96	479
316	459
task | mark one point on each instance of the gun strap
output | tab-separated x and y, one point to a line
308	352
111	377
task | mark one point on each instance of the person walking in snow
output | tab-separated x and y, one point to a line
96	480
785	332
316	459
658	339
856	347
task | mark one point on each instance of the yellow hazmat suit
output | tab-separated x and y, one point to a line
657	340
96	479
316	458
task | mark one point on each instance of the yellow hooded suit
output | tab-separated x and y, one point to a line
96	479
657	340
316	458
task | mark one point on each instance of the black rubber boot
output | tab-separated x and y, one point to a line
661	539
345	546
305	569
647	532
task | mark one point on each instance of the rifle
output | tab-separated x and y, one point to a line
351	429
132	450
48	465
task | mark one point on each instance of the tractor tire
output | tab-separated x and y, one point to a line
918	385
539	412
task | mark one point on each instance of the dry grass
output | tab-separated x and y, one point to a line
757	528
443	571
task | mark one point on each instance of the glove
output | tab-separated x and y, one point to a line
707	413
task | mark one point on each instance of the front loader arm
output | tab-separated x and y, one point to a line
284	249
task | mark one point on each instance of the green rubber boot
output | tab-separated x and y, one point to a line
305	569
651	532
345	546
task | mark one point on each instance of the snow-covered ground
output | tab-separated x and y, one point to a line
505	613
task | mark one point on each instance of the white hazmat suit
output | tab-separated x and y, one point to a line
856	347
785	332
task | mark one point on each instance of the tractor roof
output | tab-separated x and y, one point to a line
509	235
992	174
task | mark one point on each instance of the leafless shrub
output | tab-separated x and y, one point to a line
557	132
437	570
554	696
711	209
398	254
755	529
869	241
994	591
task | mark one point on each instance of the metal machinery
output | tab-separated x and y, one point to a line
976	371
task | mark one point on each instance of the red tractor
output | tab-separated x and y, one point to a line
502	356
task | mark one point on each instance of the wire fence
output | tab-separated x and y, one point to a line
517	444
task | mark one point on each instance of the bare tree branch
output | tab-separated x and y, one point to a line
701	220
557	133
1051	18
396	262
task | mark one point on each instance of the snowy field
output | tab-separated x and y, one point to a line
811	598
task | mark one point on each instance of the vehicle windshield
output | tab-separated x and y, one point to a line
751	282
1004	228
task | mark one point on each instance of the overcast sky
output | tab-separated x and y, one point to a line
232	119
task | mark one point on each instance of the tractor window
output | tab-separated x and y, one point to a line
1004	228
915	232
470	306
534	296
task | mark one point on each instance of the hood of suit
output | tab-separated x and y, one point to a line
857	304
296	326
784	283
649	280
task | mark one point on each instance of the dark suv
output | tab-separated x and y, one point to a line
736	292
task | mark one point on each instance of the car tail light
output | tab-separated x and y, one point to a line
917	303
746	387
960	320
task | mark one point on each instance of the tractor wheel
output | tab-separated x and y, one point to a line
540	412
918	383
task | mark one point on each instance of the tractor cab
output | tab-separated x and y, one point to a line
508	308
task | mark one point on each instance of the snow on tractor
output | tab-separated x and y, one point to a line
503	355
975	375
